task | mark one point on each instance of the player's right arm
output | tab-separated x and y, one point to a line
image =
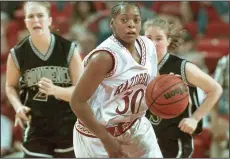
95	71
12	78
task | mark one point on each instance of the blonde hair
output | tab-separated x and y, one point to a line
41	3
175	33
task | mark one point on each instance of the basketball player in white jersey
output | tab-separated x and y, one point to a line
109	97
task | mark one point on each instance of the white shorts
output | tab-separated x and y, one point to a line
140	137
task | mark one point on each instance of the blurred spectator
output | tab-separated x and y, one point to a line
209	12
187	50
9	7
85	39
6	135
220	114
4	42
61	12
104	24
222	8
222	76
3	82
186	12
178	10
82	10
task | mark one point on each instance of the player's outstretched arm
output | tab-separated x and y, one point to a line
213	91
99	65
75	68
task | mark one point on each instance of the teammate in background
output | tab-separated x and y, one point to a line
48	66
175	135
109	96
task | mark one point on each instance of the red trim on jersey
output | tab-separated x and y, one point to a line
141	45
143	50
118	130
111	73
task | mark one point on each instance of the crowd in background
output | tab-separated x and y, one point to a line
206	43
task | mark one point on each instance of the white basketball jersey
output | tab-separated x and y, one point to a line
121	95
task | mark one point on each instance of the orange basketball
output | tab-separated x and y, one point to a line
167	96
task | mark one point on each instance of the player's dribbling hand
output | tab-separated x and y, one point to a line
188	125
46	86
21	116
113	147
171	73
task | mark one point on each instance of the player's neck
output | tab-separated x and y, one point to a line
161	56
42	42
130	47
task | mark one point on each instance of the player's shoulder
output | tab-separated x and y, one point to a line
110	41
22	44
60	38
175	57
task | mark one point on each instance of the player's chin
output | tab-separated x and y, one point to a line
130	39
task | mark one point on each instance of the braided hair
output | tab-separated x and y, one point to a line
116	9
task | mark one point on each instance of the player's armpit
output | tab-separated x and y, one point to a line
94	73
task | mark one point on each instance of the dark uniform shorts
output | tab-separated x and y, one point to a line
49	137
176	148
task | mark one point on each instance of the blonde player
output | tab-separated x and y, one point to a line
109	97
48	66
175	135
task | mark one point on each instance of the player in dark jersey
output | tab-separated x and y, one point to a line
175	135
48	66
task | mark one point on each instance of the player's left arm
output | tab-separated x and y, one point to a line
213	91
75	69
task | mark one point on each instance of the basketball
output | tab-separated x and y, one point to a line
167	96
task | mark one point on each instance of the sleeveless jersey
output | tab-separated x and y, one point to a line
168	128
33	66
120	96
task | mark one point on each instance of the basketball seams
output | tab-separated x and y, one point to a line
163	112
160	77
168	87
165	90
173	102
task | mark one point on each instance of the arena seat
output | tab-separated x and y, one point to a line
171	8
214	45
211	60
202	143
12	33
217	29
191	28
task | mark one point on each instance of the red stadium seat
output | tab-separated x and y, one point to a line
192	29
99	5
4	57
217	29
17	133
171	8
61	26
3	68
12	33
213	49
214	45
202	144
66	12
211	60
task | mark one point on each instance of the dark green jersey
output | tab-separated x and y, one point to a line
53	65
169	127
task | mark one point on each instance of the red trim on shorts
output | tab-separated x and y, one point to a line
115	131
